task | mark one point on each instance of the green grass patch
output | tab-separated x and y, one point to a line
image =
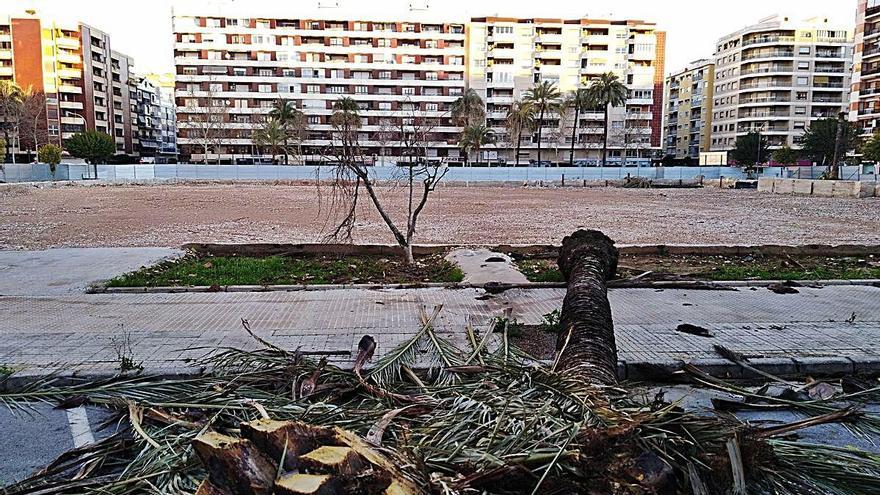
286	270
540	270
5	371
722	268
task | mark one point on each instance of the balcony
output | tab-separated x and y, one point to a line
769	54
831	54
834	85
767	70
67	42
830	70
768	39
765	99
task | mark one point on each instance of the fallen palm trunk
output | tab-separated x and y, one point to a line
585	347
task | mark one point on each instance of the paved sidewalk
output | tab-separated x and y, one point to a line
166	331
71	270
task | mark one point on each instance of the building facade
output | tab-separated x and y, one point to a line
85	83
508	56
405	73
777	76
688	116
865	97
167	115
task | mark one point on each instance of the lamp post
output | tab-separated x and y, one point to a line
85	127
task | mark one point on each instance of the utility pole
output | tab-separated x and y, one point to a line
839	147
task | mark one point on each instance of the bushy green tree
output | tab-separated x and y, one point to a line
786	155
92	146
819	140
51	154
751	149
871	149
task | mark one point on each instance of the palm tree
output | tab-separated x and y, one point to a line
607	91
11	97
291	119
468	109
580	100
346	119
273	135
520	119
474	138
545	101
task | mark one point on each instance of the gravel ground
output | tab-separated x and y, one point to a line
171	215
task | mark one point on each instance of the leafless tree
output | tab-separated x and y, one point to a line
206	117
419	175
32	125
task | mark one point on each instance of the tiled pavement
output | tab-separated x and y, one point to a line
166	331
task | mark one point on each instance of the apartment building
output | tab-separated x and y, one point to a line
777	76
508	56
167	114
85	83
865	96
404	73
688	117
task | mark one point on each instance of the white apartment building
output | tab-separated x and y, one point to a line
777	76
404	73
508	56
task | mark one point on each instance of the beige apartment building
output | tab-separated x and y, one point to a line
405	72
688	116
777	76
508	56
86	84
865	97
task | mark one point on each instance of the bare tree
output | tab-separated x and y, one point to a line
419	175
206	117
32	124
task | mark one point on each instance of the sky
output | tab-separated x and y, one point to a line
142	28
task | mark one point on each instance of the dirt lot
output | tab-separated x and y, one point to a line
171	215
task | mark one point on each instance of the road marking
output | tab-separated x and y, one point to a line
79	427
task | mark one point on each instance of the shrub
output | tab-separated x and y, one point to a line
92	146
50	154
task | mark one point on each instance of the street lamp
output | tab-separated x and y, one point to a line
85	127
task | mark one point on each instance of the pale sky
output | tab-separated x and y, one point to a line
142	28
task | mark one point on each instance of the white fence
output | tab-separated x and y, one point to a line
151	172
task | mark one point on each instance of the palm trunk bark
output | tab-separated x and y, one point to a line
574	133
605	139
540	128
586	348
518	148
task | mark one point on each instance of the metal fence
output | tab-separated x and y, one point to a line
155	172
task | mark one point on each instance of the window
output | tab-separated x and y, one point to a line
313	89
409	91
503	29
385	105
432	107
266	72
800	110
361	90
315	119
216	87
336	89
385	74
803	81
336	42
804	50
803	66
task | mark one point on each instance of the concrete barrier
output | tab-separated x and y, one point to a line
823	188
820	188
766	184
803	186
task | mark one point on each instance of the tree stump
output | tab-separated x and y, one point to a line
585	346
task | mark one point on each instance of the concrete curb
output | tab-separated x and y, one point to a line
689	285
